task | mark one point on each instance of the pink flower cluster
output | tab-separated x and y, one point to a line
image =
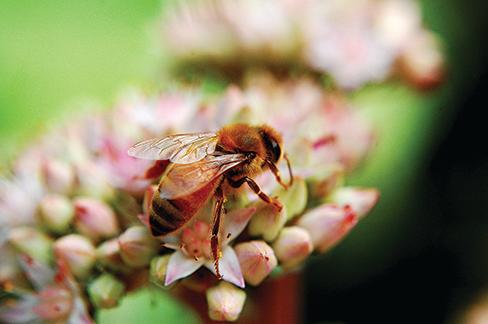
74	202
352	41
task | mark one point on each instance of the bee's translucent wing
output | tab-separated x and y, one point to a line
181	148
184	179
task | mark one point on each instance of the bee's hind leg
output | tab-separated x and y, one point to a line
214	239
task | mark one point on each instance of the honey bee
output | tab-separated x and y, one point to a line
206	165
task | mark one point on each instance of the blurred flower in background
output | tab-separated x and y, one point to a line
353	42
74	205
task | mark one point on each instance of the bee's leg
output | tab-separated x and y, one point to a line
290	172
214	240
255	187
277	174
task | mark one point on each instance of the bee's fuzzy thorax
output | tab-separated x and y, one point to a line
241	138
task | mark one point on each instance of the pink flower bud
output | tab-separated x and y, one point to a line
78	252
95	219
225	302
59	176
257	260
56	212
108	255
137	246
106	291
32	242
327	225
55	304
158	269
292	246
422	62
267	221
360	200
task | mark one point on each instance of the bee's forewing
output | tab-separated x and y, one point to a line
181	148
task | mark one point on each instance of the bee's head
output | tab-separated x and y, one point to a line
273	143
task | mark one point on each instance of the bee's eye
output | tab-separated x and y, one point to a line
276	149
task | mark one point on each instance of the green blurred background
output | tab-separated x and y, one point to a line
57	54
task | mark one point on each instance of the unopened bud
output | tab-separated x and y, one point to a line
93	181
32	242
108	255
361	200
294	198
267	221
324	180
137	246
106	291
158	268
225	302
56	213
59	176
327	225
422	62
54	304
257	260
95	219
78	252
292	246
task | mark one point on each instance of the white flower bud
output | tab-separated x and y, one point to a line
158	269
59	176
292	246
108	255
294	198
257	260
225	302
137	246
32	242
422	62
78	252
93	181
106	291
267	221
56	212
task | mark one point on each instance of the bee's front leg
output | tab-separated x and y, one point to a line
214	240
255	187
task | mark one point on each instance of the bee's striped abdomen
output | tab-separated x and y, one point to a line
169	215
166	216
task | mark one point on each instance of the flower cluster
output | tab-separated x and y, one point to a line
74	212
75	206
352	41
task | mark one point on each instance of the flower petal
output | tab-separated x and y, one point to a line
22	311
229	267
361	200
180	266
79	313
39	274
235	222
